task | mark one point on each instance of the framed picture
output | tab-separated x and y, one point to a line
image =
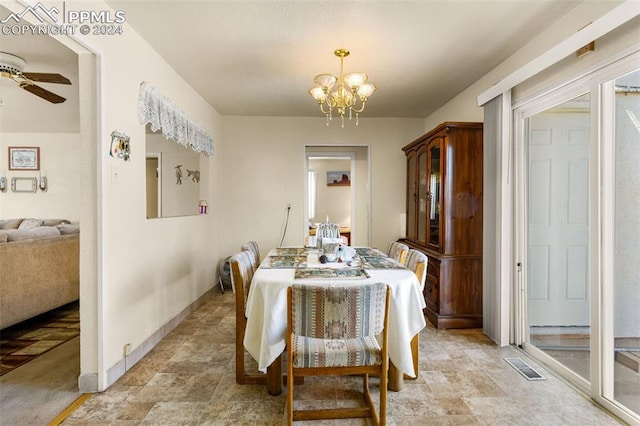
339	178
24	158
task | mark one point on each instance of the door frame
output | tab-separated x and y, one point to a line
157	156
601	226
316	150
521	196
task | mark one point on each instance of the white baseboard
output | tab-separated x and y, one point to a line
89	383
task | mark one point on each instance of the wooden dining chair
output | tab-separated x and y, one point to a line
338	331
399	252
417	262
326	230
242	269
252	246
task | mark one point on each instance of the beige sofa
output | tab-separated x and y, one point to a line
39	268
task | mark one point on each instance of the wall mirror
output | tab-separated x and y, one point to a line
172	177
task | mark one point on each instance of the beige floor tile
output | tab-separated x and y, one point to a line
189	379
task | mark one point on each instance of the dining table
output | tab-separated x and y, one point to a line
266	307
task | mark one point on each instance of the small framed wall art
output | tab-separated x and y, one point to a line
339	178
24	158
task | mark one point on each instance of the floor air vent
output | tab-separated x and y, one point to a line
525	369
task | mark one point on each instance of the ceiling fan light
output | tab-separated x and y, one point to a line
318	94
355	79
326	81
366	90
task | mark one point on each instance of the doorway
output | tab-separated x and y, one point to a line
337	190
558	233
153	185
577	234
47	385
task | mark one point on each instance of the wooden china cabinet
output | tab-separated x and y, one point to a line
444	220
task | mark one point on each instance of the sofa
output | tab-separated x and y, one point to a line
39	267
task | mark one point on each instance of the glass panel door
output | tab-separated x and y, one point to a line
412	196
558	303
422	196
626	263
434	194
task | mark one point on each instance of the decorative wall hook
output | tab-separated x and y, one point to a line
120	147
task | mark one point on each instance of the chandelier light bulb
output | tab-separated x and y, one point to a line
325	81
355	80
318	94
366	90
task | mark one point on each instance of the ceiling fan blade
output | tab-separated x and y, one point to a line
43	93
47	77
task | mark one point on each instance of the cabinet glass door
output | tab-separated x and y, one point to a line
434	194
412	196
423	192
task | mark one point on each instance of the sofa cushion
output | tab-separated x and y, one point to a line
54	222
3	236
30	234
30	224
68	228
10	223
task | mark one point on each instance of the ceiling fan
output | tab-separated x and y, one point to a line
12	67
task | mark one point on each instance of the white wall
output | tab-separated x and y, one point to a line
59	162
464	106
151	270
264	170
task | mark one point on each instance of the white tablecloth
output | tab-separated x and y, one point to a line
267	311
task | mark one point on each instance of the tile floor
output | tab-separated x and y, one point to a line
188	379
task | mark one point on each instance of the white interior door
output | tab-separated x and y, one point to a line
558	215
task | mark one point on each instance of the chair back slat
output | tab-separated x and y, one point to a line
252	246
242	269
399	252
324	312
417	262
326	230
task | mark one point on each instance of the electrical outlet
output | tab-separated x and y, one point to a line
126	350
289	205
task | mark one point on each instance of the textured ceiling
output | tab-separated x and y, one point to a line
258	58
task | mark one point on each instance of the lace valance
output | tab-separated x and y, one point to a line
164	115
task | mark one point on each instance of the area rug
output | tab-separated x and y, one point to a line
27	340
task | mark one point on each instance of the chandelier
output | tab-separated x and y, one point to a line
351	88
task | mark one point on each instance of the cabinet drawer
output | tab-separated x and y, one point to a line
432	285
431	293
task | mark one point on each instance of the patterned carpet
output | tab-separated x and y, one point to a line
27	340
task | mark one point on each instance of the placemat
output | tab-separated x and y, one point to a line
291	251
377	262
284	262
369	252
330	273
